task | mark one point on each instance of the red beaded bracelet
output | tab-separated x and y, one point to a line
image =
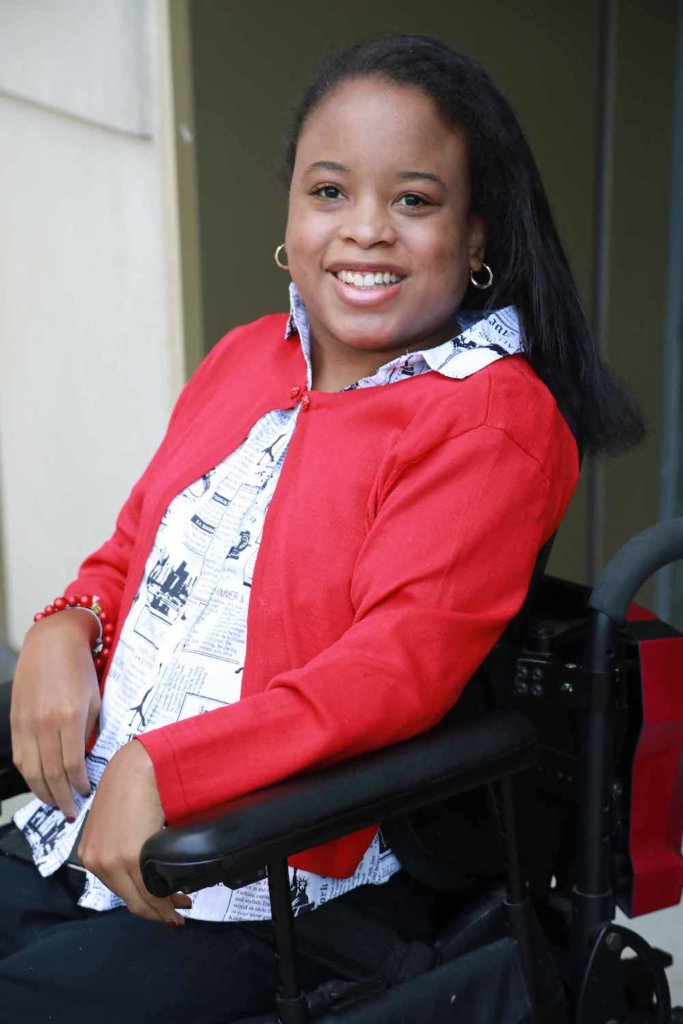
91	604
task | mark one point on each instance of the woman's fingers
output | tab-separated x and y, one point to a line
181	900
50	746
73	756
127	883
51	765
125	812
55	697
165	908
140	901
26	758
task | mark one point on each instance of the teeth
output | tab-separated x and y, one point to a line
358	280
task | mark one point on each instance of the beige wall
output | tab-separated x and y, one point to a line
88	313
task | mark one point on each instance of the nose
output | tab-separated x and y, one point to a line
368	223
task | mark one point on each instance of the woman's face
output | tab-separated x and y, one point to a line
381	187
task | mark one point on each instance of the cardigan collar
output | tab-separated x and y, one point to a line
484	337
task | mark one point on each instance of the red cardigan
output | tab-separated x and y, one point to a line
399	542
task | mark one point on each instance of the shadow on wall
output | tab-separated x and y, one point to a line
8	661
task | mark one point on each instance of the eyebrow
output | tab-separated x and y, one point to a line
332	165
419	176
328	165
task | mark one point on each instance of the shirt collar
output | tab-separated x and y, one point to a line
483	338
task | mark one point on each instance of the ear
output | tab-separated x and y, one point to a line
476	240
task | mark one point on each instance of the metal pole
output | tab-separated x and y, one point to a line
290	1002
517	901
592	896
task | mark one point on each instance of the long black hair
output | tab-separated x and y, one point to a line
524	251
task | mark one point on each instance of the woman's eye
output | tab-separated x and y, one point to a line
328	192
411	199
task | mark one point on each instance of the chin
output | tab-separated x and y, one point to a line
375	341
368	334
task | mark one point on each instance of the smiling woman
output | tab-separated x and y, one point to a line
340	521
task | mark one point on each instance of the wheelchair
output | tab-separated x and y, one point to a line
555	786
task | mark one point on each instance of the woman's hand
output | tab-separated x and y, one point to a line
55	703
125	812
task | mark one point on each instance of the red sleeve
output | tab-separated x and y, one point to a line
445	565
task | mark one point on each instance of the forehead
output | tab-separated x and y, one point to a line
370	121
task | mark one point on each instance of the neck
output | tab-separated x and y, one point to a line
334	371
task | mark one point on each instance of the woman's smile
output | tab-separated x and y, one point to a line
365	286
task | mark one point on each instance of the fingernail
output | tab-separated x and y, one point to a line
174	924
70	819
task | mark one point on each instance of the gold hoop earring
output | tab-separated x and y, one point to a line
483	285
276	257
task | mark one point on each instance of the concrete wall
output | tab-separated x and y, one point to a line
88	58
644	126
89	333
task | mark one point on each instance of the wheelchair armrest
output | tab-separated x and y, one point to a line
11	782
233	842
5	734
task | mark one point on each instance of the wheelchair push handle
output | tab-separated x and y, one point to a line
616	586
633	564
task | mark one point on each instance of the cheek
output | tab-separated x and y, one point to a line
442	252
445	267
305	245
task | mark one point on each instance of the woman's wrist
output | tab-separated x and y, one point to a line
68	625
101	631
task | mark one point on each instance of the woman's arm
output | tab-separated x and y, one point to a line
445	565
55	703
55	693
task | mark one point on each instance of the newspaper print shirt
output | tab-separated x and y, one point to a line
182	646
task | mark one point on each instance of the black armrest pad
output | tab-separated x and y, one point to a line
233	842
5	734
11	782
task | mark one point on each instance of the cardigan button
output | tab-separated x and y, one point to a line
296	391
305	402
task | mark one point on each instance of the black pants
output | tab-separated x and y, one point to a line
62	964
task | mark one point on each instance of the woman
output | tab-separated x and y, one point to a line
342	517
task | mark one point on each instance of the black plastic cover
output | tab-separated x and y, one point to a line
231	843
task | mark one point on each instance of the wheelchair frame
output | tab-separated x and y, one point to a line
265	827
